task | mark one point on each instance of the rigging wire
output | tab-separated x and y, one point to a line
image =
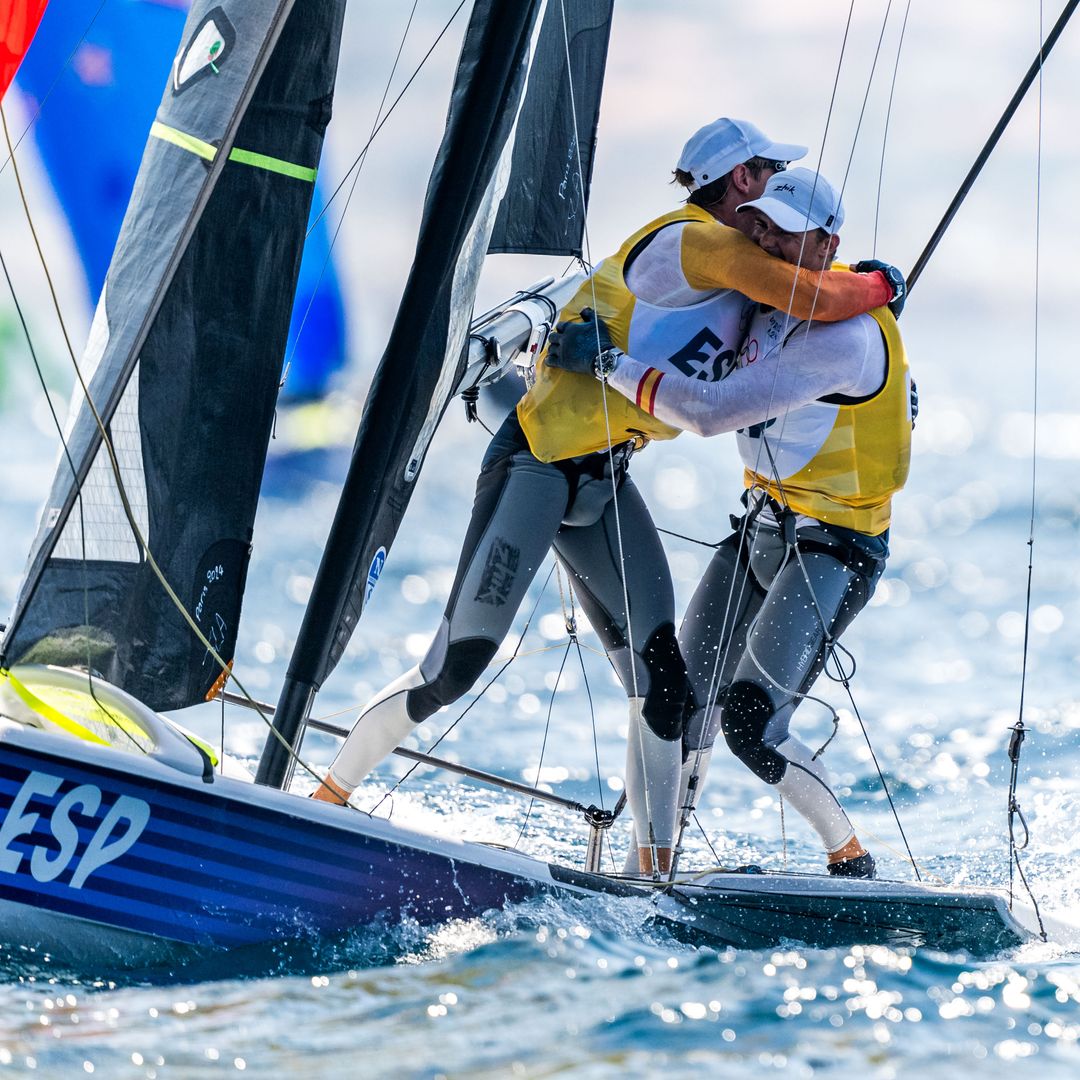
1017	738
651	838
468	708
544	741
885	132
52	86
358	160
355	170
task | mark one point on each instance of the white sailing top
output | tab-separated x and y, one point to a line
818	360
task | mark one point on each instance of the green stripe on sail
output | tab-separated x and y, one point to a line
272	164
244	157
185	142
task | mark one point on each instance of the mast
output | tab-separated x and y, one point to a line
424	356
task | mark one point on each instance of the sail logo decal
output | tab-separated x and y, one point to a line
206	50
374	572
115	833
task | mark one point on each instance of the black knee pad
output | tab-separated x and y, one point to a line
465	660
664	708
746	713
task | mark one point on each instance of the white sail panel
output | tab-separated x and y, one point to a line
108	533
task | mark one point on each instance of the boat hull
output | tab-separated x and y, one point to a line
117	859
166	856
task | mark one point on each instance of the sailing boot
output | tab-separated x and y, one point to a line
861	866
805	785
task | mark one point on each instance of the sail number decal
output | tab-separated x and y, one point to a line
116	832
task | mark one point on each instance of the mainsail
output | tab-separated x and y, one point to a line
498	70
543	210
184	358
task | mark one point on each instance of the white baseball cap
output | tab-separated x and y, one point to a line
799	200
714	150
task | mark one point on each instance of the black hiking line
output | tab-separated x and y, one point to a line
995	135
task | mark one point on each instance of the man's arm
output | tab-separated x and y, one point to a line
715	256
815	362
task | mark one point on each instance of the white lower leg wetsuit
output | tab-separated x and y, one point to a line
523	508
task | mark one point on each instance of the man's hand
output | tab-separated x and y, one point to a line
892	276
574	346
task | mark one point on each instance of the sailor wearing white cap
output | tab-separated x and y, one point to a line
675	292
714	150
823	421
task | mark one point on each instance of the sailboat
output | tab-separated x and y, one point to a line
122	834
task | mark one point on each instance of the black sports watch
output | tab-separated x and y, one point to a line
606	362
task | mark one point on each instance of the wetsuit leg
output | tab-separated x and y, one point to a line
712	638
519	505
784	654
652	671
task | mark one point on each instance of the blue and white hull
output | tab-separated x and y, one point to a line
163	855
108	857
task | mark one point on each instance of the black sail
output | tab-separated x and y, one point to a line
424	355
543	210
184	359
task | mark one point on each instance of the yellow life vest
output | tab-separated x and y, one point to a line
566	414
862	460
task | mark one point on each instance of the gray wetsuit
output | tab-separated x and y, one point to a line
523	508
755	638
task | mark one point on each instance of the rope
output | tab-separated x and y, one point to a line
607	428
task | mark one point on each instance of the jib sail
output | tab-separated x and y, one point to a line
184	358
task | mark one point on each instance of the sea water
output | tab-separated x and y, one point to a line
592	988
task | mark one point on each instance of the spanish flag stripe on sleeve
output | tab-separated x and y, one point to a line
646	389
